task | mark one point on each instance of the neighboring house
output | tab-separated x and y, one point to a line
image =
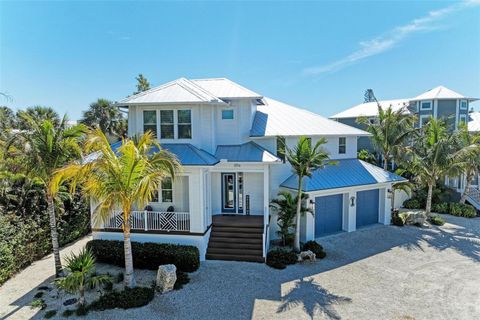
439	102
228	139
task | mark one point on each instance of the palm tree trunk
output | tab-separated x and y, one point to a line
428	207
467	188
385	161
127	246
54	235
296	243
81	300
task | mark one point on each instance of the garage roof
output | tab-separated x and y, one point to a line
345	173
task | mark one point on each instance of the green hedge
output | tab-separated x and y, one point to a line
413	203
455	209
147	255
126	299
280	258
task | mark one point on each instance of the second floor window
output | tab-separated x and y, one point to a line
150	121
342	145
463	105
167	124
227	114
184	124
426	105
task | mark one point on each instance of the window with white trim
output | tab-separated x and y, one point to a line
463	119
424	119
227	114
342	145
167	189
426	105
150	121
463	105
167	130
184	124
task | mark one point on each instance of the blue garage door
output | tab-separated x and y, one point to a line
328	214
367	207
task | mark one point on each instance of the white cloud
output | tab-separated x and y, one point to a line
391	38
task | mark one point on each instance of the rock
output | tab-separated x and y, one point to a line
166	277
69	302
417	218
307	256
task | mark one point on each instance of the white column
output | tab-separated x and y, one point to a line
309	226
352	211
385	207
266	194
195	189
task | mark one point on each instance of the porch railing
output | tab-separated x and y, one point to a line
151	220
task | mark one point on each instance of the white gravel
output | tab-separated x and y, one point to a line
382	272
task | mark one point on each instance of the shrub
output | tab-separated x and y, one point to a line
50	314
279	258
437	220
462	210
38	303
413	203
147	255
81	311
182	279
316	248
68	312
38	295
126	299
119	277
443	207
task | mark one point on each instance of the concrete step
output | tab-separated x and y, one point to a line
241	252
233	257
216	234
238	229
235	245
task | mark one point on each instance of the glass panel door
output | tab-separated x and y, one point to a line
228	192
240	191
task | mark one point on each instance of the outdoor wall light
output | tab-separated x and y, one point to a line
352	201
311	203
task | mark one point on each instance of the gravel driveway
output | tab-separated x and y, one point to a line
382	272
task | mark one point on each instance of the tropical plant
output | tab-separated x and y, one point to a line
286	208
104	115
37	113
390	132
7	121
304	160
468	157
142	84
367	156
122	179
431	156
46	147
81	275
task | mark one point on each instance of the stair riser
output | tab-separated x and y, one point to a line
238	230
234	258
227	245
235	235
242	252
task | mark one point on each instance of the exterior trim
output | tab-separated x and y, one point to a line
200	234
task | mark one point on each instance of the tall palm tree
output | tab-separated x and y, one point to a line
304	161
46	147
431	157
120	179
468	157
390	132
104	115
39	113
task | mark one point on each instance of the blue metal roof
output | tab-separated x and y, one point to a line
346	173
187	154
246	152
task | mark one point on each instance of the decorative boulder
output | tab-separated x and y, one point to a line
166	277
307	255
417	218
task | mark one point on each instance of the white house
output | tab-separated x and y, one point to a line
227	138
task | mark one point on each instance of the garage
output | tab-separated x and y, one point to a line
367	207
328	214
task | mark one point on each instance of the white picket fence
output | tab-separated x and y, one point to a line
152	220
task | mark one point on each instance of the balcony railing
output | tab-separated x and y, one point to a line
152	221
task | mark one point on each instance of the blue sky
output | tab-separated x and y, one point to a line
317	55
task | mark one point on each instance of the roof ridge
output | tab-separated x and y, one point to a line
195	150
190	83
141	94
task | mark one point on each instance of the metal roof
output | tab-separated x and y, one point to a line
247	152
441	92
177	91
187	154
279	119
370	109
225	88
474	122
346	173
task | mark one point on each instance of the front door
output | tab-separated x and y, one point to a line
232	192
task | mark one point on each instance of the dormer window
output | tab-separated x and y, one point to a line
463	105
227	114
426	105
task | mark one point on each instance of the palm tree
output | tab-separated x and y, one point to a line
46	147
39	113
390	132
120	179
81	275
286	207
431	156
304	161
104	115
468	157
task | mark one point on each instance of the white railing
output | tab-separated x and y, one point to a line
152	221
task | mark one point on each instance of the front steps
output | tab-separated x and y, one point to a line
236	238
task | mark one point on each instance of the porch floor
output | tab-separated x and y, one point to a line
237	220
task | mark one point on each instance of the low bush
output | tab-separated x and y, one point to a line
316	248
436	220
126	299
462	210
279	258
119	277
443	207
147	255
413	203
50	314
182	279
38	303
68	312
81	311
